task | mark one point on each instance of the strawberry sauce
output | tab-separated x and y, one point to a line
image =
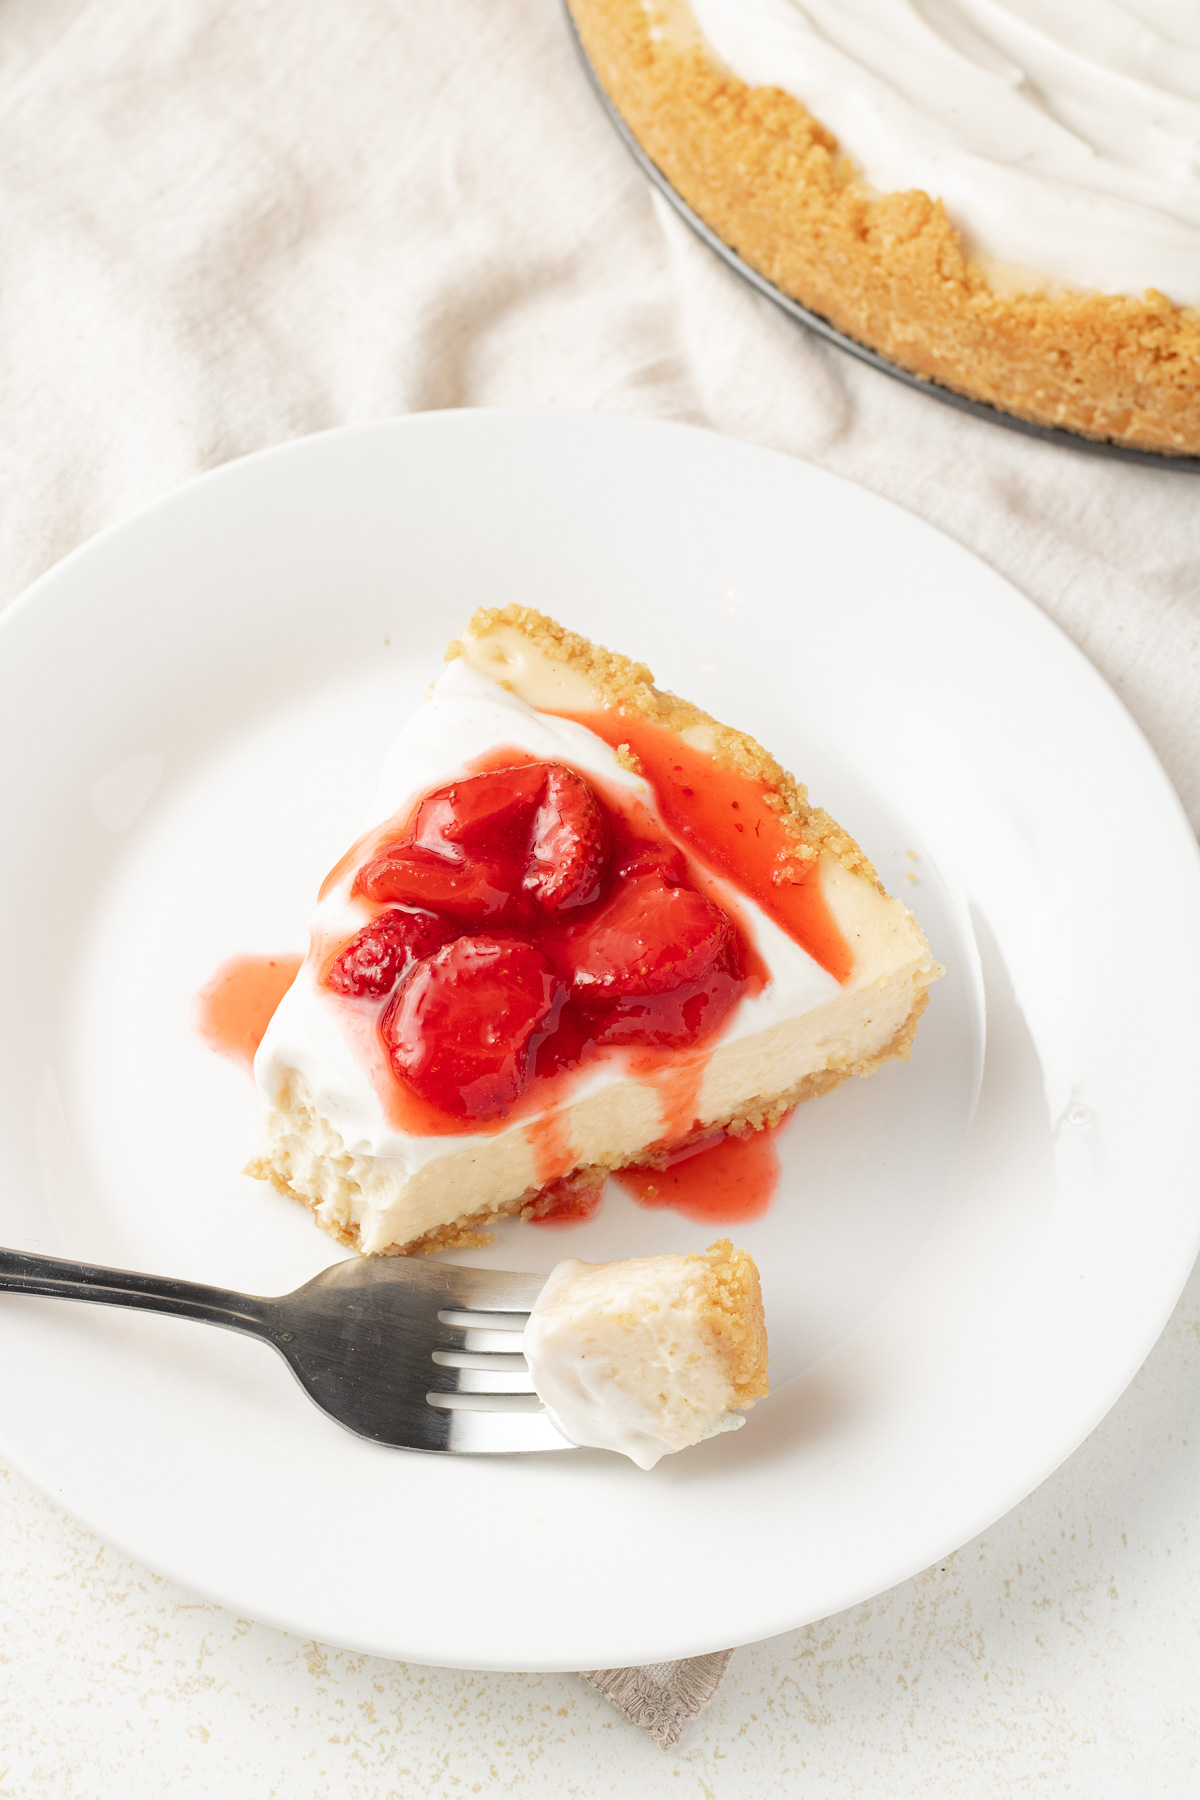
553	1150
522	921
724	817
234	1008
719	1180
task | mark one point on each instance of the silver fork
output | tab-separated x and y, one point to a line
418	1354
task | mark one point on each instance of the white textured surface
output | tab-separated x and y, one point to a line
1056	1655
226	226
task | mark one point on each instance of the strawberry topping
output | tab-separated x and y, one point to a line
382	951
661	965
484	847
485	815
464	1028
664	860
651	938
569	845
540	927
469	890
466	848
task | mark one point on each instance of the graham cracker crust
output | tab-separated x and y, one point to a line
889	270
733	1310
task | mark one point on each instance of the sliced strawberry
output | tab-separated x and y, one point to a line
463	1031
468	890
375	958
660	859
464	854
486	814
649	939
660	966
569	844
673	1020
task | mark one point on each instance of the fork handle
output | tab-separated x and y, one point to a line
23	1273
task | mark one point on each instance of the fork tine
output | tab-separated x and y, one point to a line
449	1380
475	1372
470	1320
500	1433
451	1337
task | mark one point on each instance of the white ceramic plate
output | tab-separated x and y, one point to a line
960	1278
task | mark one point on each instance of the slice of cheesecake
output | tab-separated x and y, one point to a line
649	1355
586	925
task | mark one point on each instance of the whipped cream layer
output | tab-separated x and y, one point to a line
622	1358
1063	136
307	1042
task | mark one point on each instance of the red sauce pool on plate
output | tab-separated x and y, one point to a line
234	1008
721	1181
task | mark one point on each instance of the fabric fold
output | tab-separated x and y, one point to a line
662	1697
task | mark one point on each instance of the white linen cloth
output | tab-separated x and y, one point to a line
226	224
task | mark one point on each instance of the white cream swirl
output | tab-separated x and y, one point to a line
1063	136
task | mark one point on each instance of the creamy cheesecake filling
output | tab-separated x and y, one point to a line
323	1068
379	1200
1063	136
623	1362
649	1355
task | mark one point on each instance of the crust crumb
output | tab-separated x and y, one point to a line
732	1297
